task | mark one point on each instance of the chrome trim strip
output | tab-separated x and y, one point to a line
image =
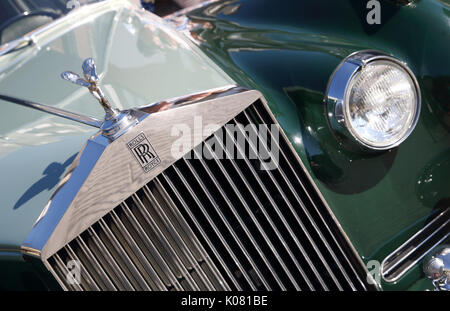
31	37
29	251
54	110
397	263
188	9
404	256
19	43
193	98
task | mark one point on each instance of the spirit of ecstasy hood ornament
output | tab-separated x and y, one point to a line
116	122
91	82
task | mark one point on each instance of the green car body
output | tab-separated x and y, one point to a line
286	50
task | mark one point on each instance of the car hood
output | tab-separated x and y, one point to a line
140	60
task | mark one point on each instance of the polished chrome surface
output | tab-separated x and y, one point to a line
400	261
437	268
74	78
105	172
116	122
55	111
90	73
17	44
140	245
90	70
335	94
193	224
190	99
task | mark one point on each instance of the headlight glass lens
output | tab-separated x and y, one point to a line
380	104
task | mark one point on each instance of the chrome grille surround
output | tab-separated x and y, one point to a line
197	224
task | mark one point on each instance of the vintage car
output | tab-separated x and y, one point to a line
234	145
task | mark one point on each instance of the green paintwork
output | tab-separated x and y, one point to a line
140	60
289	49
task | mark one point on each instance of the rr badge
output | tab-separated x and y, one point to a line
144	152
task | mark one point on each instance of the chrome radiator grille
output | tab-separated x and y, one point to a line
218	224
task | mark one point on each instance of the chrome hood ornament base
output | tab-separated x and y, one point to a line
116	122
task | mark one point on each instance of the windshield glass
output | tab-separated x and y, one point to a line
18	17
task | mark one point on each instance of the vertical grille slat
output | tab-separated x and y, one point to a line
177	261
214	226
203	234
103	278
230	205
63	271
52	268
326	229
239	221
121	279
85	272
280	215
159	265
145	268
167	275
298	222
125	263
177	238
173	217
283	192
266	215
210	222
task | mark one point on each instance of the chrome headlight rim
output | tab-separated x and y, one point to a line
337	89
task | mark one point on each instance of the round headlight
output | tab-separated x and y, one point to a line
374	100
